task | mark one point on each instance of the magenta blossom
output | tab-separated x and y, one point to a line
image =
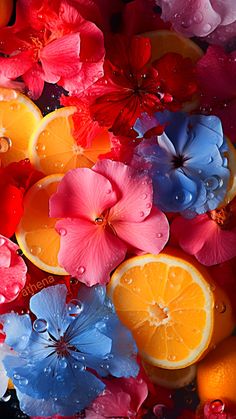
215	19
105	211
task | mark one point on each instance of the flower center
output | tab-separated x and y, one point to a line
159	314
178	161
222	216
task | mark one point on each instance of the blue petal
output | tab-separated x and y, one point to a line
211	123
88	388
122	360
18	330
50	305
92	342
177	130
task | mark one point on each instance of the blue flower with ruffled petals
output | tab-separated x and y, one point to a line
187	163
70	345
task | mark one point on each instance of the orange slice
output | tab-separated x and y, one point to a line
165	41
6	7
18	118
170	378
35	234
53	148
167	301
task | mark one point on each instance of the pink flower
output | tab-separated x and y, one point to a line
217	83
210	237
105	211
12	271
51	42
201	18
123	397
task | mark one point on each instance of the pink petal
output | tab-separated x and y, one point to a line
60	58
82	193
191	234
12	271
135	189
33	79
150	235
88	74
219	247
88	252
16	65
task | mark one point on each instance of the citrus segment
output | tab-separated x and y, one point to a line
216	377
170	378
36	234
53	148
165	41
18	118
167	301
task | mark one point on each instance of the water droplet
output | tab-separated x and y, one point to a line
159	235
40	325
81	270
99	220
171	357
128	281
148	205
220	307
23	381
217	406
198	17
6	397
108	191
14	107
45	133
210	195
15	288
144	196
35	250
40	147
207	27
141	214
63	232
59	165
19	252
183	197
2	299
59	378
75	307
63	363
2	241
211	183
5	144
47	370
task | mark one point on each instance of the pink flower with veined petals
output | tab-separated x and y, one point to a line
12	271
105	211
210	237
122	397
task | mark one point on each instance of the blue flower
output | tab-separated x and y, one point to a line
59	359
187	162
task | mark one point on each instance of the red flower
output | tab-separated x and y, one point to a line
131	85
14	180
216	75
51	42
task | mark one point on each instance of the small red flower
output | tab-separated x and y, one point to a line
132	85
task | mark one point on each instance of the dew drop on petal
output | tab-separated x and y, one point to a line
40	325
35	250
63	363
159	235
217	407
81	270
23	381
47	370
198	17
15	288
220	307
63	232
207	27
2	241
2	299
211	183
5	144
141	214
148	205
144	196
75	307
